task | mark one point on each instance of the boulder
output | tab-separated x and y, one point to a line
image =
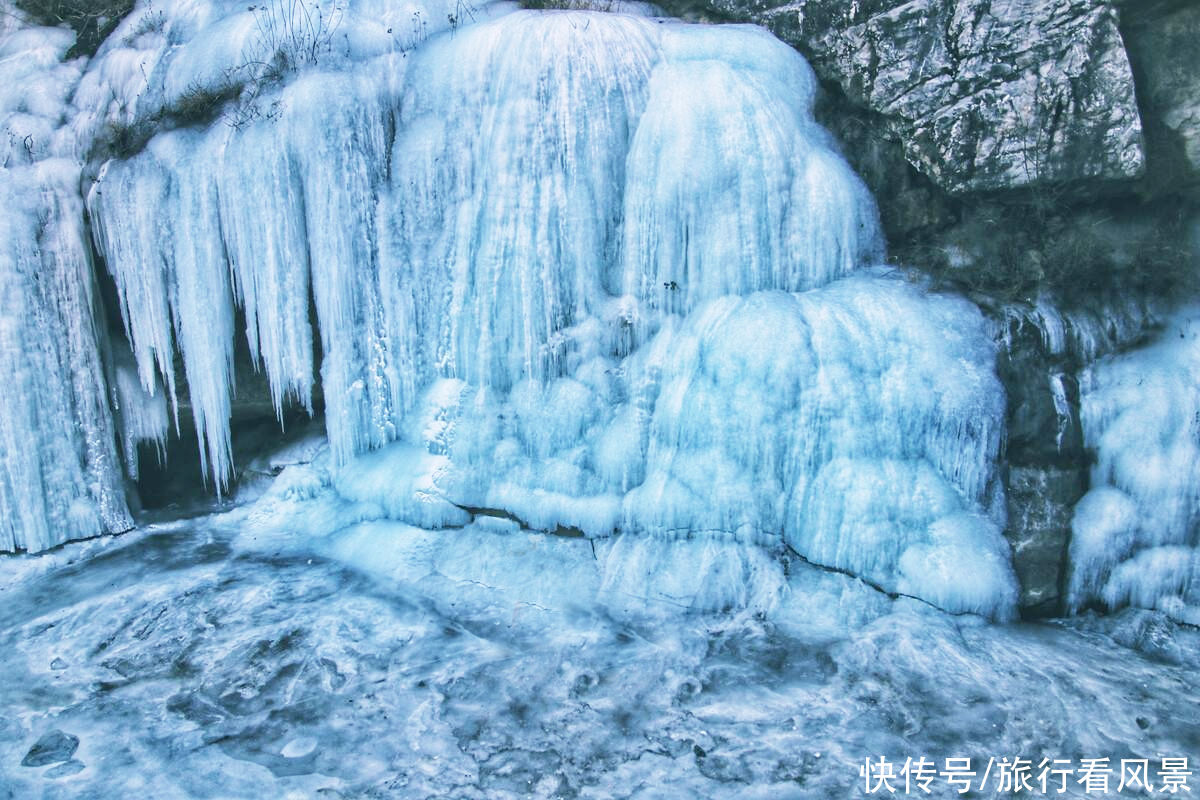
54	747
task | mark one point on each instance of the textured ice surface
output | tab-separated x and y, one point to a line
167	53
840	424
479	211
60	477
387	661
556	257
1136	532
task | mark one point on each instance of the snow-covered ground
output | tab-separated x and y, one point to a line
192	660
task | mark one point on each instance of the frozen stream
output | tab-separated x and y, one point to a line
190	662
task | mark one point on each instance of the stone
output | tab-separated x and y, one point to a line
54	747
1163	41
1040	503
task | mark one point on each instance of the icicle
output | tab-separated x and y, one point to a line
142	416
159	228
262	221
59	474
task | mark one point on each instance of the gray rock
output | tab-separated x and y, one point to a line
58	664
1040	503
52	748
1047	469
1163	41
982	95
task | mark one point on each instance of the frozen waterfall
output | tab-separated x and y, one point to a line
464	212
588	273
60	477
1136	533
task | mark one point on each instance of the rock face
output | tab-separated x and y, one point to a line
1163	39
983	95
1046	472
1040	501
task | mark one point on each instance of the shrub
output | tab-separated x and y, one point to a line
571	5
295	34
92	20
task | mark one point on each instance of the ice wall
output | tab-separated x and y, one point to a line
460	212
1136	532
573	272
60	477
841	423
581	271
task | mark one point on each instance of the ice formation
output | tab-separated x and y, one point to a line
473	663
836	423
551	254
1085	334
60	478
141	415
462	213
575	272
1136	532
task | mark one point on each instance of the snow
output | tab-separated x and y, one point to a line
168	51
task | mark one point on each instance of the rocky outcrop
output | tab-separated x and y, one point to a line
1163	40
981	94
1046	471
1013	96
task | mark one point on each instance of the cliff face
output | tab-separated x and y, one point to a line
984	96
1164	51
980	95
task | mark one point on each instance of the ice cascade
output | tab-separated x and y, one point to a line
593	274
459	213
60	477
1136	533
